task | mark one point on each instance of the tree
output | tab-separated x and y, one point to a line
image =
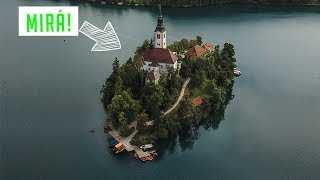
162	133
228	49
142	118
218	95
116	65
153	98
199	40
132	78
186	67
185	112
216	53
123	103
145	45
112	87
184	44
117	88
198	78
123	128
130	60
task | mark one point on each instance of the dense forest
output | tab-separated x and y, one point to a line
127	97
189	3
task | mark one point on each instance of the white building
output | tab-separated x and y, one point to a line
158	58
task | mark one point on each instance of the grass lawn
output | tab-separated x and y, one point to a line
199	91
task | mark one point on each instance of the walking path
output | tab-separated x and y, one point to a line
180	97
125	140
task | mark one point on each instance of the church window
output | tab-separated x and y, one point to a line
164	35
158	36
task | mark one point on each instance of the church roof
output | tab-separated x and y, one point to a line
159	55
153	75
196	51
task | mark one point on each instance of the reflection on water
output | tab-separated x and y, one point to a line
188	135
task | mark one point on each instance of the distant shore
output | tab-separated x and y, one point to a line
132	4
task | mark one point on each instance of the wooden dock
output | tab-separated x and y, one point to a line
142	154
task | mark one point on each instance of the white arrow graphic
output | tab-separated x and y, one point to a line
106	40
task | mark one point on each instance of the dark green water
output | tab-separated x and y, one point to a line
49	97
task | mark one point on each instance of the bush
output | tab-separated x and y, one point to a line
143	139
127	132
162	133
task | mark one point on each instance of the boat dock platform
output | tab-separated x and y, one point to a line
142	154
124	140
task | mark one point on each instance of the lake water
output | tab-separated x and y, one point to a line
49	97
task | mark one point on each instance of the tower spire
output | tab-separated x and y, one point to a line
159	5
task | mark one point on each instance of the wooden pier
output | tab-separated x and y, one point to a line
142	154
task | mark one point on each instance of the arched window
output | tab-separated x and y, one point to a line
158	36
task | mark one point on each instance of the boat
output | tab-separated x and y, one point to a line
92	130
143	159
135	155
236	72
146	146
119	151
149	158
119	148
113	143
153	152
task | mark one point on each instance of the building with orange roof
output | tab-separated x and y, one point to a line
196	51
196	101
153	76
208	46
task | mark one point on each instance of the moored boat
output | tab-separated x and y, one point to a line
113	143
146	146
236	72
92	130
119	148
153	152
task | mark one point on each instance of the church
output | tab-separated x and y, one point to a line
157	59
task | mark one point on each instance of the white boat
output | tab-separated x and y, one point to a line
236	72
146	146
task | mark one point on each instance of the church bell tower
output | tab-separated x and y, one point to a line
160	39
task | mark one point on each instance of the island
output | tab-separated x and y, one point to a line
165	90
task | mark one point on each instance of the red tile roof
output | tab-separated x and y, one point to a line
159	55
196	51
208	46
196	101
153	75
